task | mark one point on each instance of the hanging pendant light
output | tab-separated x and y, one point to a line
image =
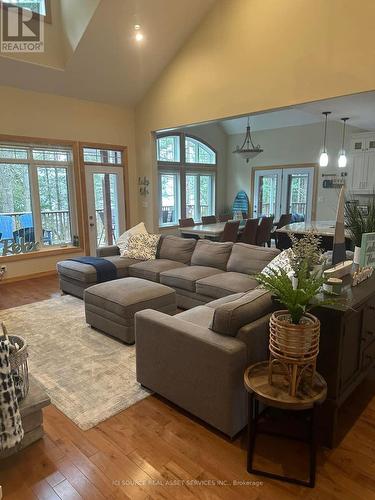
323	160
248	151
342	158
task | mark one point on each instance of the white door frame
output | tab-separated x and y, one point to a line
261	173
90	170
282	192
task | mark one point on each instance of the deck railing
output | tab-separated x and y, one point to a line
57	222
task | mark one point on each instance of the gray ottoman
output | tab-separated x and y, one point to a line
110	306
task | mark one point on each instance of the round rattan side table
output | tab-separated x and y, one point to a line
308	399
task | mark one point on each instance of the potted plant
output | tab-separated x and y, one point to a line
358	223
294	332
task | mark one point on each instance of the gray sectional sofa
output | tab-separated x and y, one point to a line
199	271
196	358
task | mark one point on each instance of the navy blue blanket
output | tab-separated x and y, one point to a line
105	270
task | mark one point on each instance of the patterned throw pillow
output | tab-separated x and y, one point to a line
281	260
122	241
142	246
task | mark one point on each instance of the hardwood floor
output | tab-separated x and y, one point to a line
153	450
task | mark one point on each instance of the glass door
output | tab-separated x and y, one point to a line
105	205
284	191
267	193
297	192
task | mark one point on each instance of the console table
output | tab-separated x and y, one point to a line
347	350
32	417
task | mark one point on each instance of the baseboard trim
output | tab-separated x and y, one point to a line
43	274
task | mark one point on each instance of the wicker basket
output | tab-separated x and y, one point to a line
294	347
19	367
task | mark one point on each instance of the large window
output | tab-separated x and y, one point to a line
35	197
187	174
37	6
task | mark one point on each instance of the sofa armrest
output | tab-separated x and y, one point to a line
255	335
107	251
194	367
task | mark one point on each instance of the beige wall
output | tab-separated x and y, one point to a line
290	146
34	114
253	55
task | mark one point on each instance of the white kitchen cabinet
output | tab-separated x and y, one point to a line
361	178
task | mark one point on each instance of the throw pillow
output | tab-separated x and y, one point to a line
281	260
142	246
122	241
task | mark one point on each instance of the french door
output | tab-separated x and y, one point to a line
105	204
284	191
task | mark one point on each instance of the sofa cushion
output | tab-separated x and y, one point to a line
216	287
87	274
250	259
142	246
151	269
122	241
282	260
185	277
200	315
230	317
211	254
177	248
224	300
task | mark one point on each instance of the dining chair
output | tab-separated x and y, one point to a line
264	231
186	222
209	219
284	220
230	232
249	233
225	217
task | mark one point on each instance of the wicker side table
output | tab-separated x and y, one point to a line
277	396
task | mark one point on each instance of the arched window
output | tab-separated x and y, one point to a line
198	152
187	178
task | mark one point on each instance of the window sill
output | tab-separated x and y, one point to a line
169	226
44	252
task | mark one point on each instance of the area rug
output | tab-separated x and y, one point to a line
87	375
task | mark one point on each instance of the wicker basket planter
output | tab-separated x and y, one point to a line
19	367
294	347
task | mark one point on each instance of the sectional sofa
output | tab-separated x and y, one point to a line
196	358
200	271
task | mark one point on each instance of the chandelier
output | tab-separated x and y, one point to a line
248	151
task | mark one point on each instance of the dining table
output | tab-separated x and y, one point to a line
324	229
207	230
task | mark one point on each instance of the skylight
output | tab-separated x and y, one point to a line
38	6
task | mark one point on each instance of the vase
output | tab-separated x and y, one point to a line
357	255
294	348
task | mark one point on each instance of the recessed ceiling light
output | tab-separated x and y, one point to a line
139	37
137	27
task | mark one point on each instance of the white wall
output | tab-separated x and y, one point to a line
289	146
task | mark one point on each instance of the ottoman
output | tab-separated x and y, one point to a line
111	306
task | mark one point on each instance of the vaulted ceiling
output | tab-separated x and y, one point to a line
90	50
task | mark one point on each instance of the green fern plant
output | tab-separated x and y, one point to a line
296	300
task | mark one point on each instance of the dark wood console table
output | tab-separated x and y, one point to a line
347	350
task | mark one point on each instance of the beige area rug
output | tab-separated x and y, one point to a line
87	375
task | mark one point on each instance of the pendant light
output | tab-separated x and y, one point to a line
342	158
248	150
323	160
